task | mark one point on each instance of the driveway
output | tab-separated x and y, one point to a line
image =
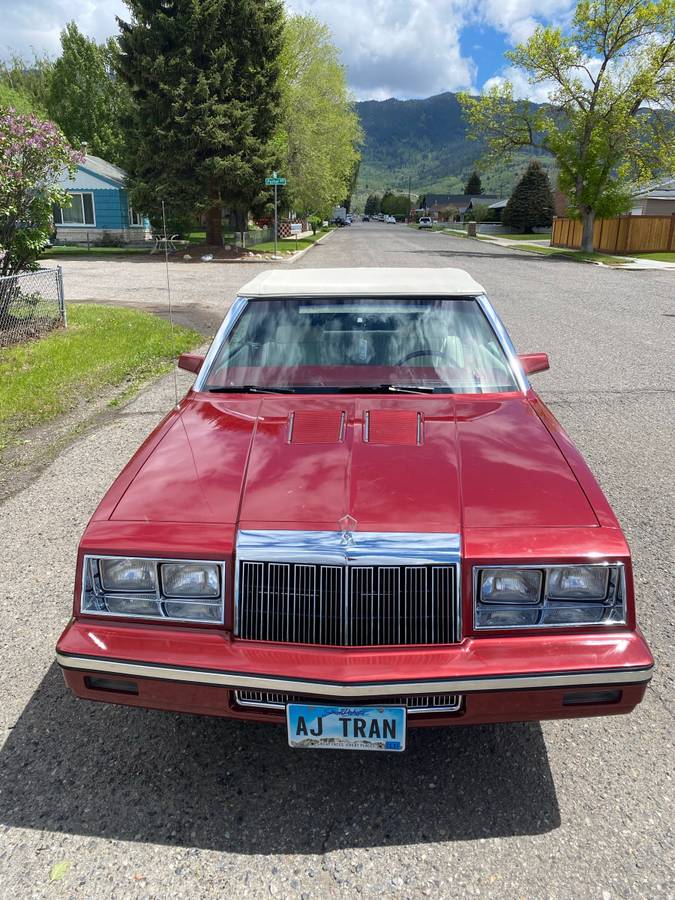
148	804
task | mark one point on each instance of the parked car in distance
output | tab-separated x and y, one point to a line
390	219
425	222
366	218
361	518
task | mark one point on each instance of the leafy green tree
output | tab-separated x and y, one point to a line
395	204
373	205
531	203
86	98
204	79
473	186
479	212
33	155
613	92
319	133
16	100
29	78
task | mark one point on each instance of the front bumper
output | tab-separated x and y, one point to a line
501	679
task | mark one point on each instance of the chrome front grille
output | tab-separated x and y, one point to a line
347	605
415	703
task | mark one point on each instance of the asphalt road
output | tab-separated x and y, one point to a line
148	804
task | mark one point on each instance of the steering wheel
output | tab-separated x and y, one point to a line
441	354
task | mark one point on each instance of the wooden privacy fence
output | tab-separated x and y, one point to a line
625	234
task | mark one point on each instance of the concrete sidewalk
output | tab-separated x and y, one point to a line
630	261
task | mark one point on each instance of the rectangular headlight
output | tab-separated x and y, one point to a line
142	588
190	579
128	574
511	585
578	583
548	596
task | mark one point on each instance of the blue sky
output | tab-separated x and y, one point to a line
392	48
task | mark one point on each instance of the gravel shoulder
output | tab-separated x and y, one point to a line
145	804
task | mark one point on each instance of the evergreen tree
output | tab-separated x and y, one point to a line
531	203
86	98
373	204
204	77
473	186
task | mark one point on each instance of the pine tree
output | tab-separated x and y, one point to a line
531	203
204	77
373	203
473	187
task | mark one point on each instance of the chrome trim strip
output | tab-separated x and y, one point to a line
505	342
299	698
618	589
376	548
361	689
231	318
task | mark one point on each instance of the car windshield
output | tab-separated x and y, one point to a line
316	345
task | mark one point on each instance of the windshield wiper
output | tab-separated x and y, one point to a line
391	388
249	389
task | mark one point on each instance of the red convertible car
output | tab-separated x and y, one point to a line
360	519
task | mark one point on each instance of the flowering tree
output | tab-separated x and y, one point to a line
33	157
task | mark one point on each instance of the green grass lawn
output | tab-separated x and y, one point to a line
577	255
525	237
199	237
94	252
103	347
288	245
660	257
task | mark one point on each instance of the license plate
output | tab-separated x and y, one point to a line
346	727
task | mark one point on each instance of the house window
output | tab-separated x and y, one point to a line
136	219
81	212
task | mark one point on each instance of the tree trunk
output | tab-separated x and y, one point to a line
214	218
214	227
588	226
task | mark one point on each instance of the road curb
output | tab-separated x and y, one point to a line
311	246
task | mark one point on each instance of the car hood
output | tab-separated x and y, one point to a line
413	463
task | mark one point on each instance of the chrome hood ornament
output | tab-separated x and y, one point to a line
348	525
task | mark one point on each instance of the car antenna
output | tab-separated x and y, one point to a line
168	291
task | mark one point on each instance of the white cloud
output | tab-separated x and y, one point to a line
36	24
392	48
540	92
397	48
537	93
517	19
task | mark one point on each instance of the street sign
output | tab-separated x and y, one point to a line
276	182
296	228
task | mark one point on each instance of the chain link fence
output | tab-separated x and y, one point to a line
31	304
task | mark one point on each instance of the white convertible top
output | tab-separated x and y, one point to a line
362	283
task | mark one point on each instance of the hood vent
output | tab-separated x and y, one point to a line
393	426
316	426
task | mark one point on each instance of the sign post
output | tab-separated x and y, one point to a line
276	181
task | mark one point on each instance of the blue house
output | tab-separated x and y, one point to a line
101	210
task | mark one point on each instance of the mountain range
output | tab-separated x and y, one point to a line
422	144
